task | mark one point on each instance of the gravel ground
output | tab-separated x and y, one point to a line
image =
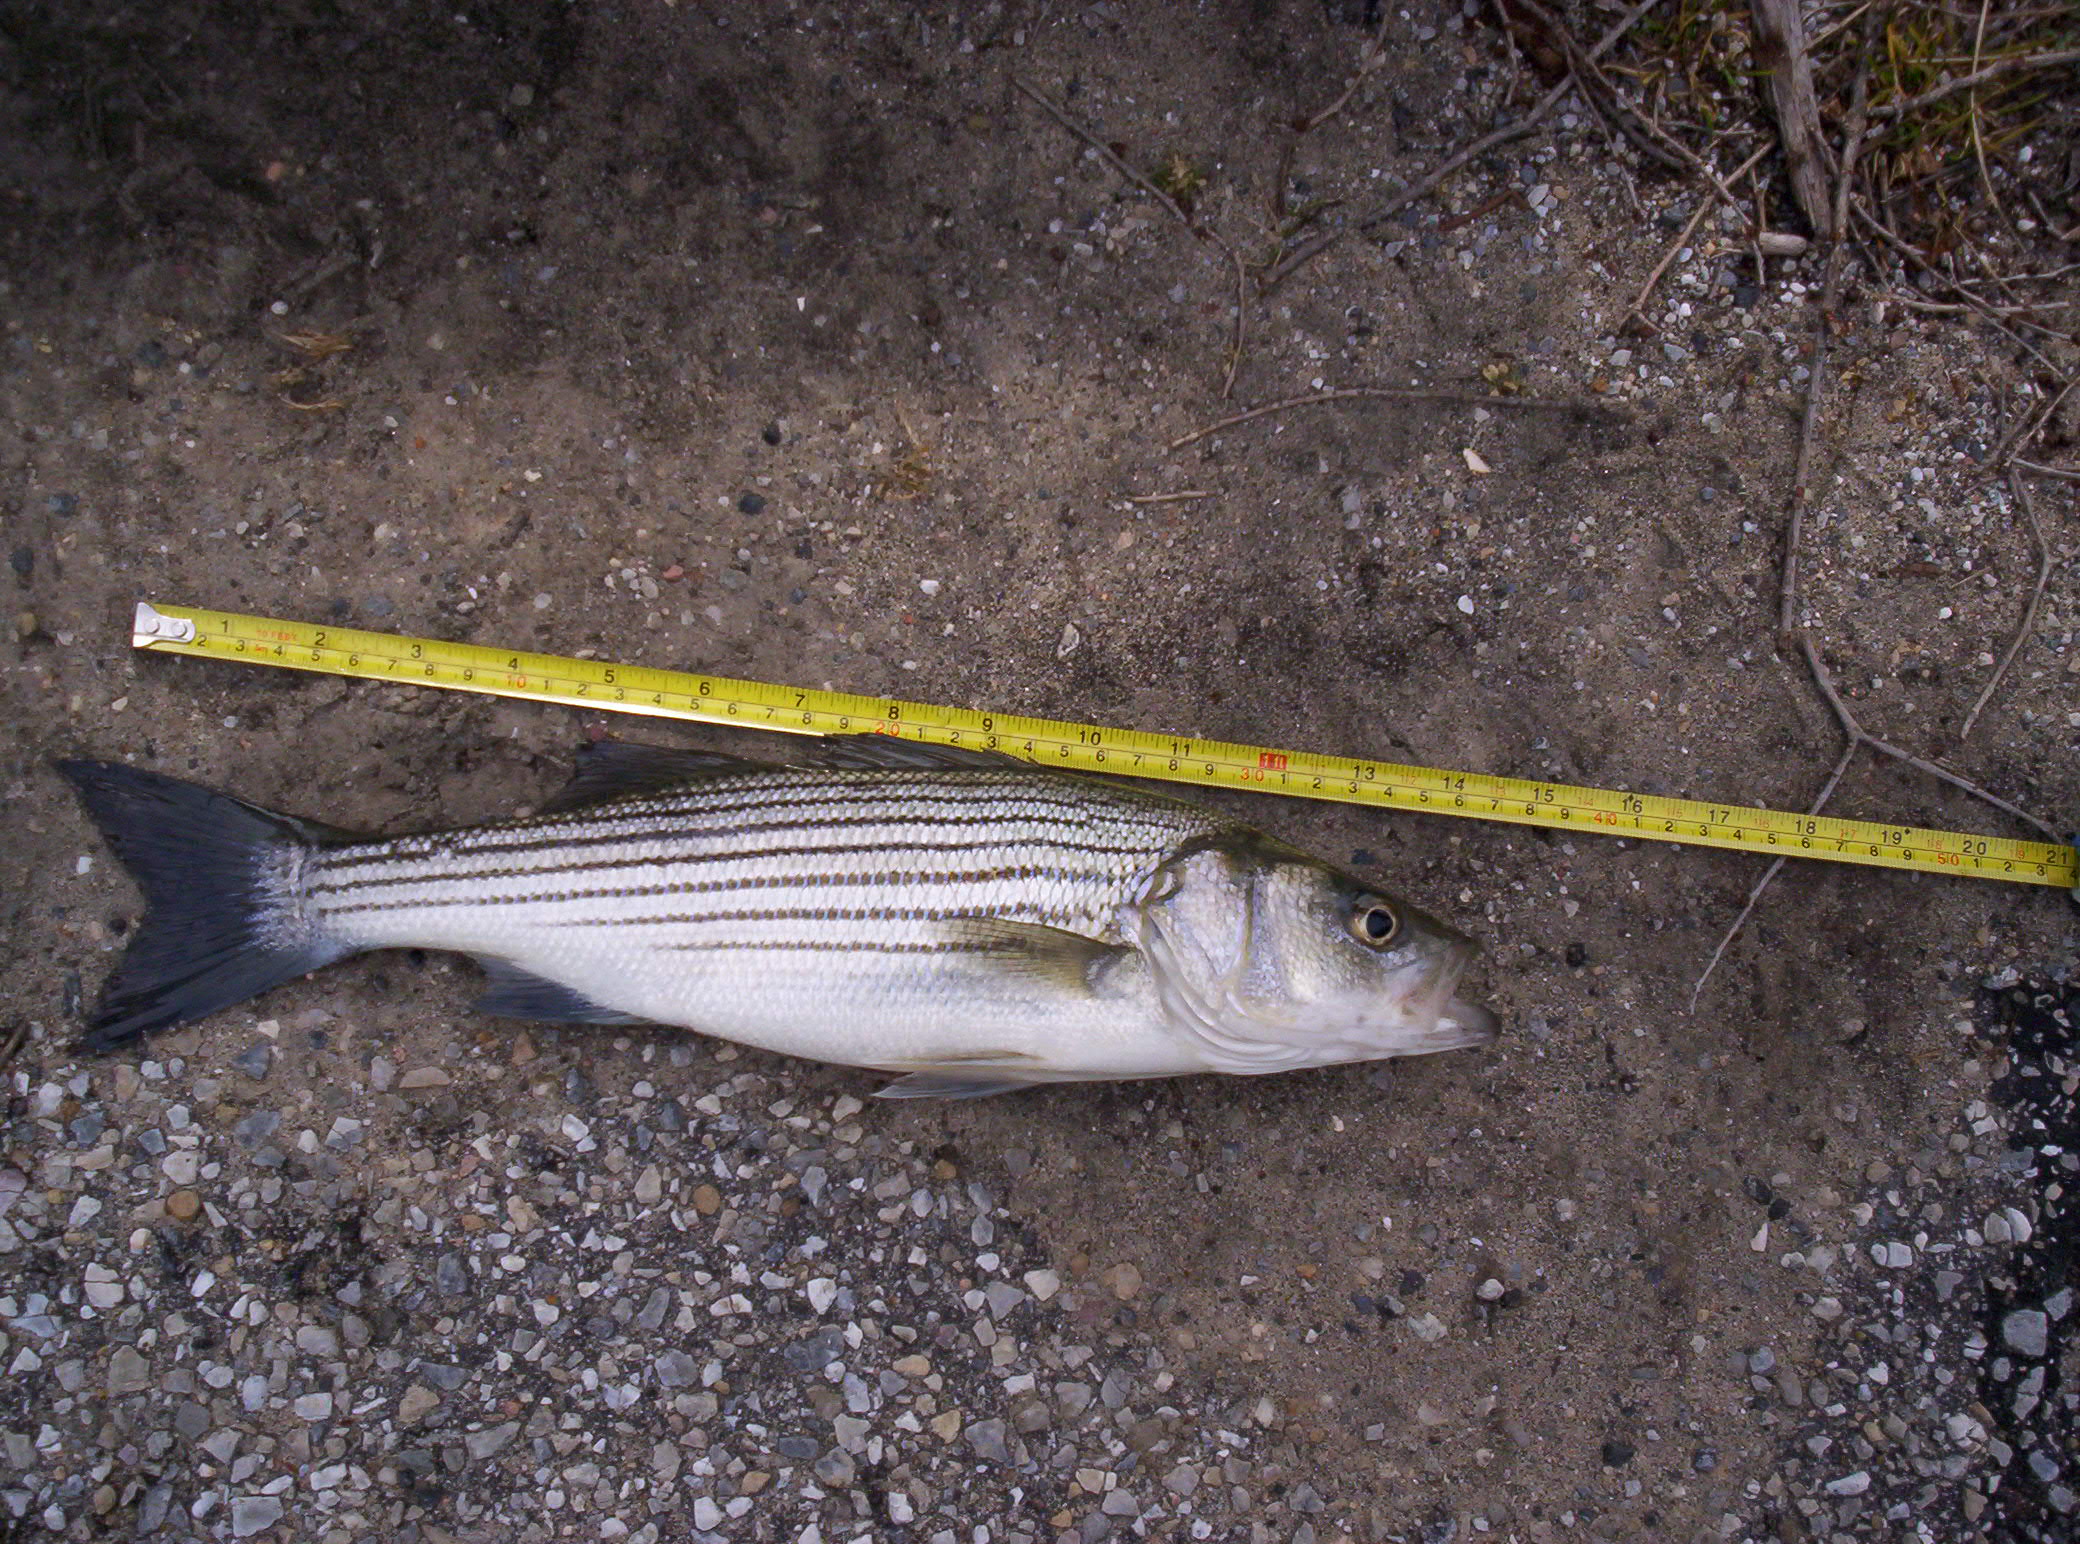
798	343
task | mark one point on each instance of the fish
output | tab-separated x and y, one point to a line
965	921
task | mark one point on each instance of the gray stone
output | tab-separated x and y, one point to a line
128	1371
1002	1298
254	1514
153	1509
676	1370
655	1307
483	1444
2027	1331
988	1440
817	1351
836	1469
451	1275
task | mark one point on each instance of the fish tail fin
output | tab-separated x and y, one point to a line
222	883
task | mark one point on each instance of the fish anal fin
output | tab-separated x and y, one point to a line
520	994
1036	952
951	1083
617	769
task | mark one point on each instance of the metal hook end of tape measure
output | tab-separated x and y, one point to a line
150	626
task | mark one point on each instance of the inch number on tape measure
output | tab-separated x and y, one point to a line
591	683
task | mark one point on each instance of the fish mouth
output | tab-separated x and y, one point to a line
1459	1024
1467	1023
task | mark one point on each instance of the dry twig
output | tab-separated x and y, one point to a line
1858	738
1182	496
1830	297
1988	313
1105	153
1859	735
1978	77
2029	614
1841	765
1978	140
1241	305
1780	47
1308	251
1704	207
1603	98
1370	58
1392	394
2062	473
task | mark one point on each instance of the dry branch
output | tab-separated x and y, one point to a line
1308	251
1704	207
1830	297
1780	47
2029	614
1979	77
1106	154
1394	394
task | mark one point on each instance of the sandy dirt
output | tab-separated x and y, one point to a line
706	337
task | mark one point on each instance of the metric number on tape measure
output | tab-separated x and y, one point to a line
1092	748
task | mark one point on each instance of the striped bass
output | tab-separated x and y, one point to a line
967	921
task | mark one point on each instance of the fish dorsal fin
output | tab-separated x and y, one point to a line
1055	956
882	752
615	769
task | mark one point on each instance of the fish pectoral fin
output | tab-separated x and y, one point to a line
1056	956
951	1083
520	994
881	752
616	769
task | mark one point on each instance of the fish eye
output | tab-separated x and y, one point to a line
1374	922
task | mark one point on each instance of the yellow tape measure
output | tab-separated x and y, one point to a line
591	683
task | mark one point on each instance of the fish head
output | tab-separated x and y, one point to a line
1273	960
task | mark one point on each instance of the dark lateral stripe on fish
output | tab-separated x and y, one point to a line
911	878
612	826
330	886
1008	909
1007	831
849	946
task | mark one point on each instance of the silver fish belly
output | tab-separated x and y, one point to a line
973	925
